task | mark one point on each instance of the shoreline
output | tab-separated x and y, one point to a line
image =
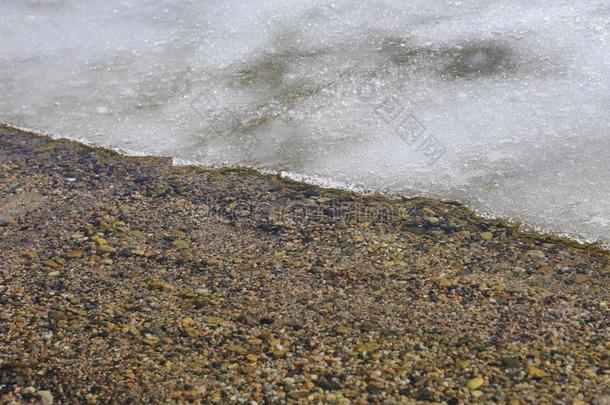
524	229
128	279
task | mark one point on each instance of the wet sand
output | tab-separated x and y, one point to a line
128	280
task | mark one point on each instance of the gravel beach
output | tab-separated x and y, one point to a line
129	280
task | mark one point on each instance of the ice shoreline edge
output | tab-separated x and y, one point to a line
520	228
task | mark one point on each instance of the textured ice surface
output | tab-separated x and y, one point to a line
364	94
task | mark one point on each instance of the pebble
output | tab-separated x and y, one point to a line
536	253
510	362
477	393
445	282
475	383
160	285
486	235
105	249
50	263
31	254
180	244
46	398
298	394
368	347
546	270
289	381
581	278
535	371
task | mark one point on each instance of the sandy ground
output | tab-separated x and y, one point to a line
127	280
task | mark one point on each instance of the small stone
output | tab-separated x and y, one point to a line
546	270
279	353
57	315
214	262
236	349
187	321
179	234
536	253
105	249
445	282
138	252
475	383
476	393
342	329
160	285
486	235
202	291
251	357
514	288
298	394
535	372
499	287
54	274
188	294
464	363
180	244
32	255
510	362
150	340
581	278
255	341
368	347
289	381
46	398
266	320
75	254
374	388
212	320
133	330
50	263
99	240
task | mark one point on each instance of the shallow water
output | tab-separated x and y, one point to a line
501	105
